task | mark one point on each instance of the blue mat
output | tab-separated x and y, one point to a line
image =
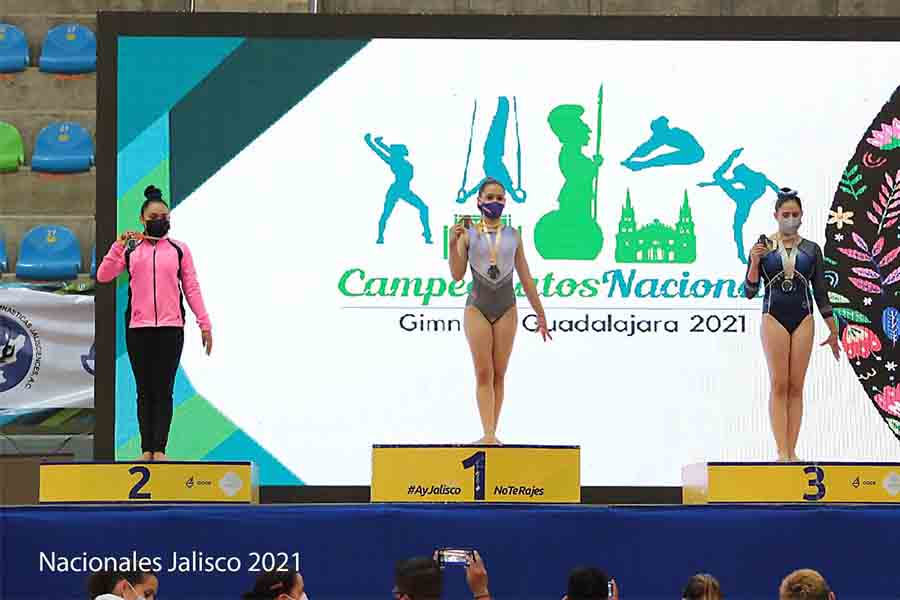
347	552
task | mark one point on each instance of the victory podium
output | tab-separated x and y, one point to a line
791	483
149	483
475	473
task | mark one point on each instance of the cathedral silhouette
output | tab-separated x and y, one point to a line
656	242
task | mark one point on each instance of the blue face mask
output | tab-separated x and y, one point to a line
492	210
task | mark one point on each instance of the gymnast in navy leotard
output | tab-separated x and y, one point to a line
493	251
792	271
788	296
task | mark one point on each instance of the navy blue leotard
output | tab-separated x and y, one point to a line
790	308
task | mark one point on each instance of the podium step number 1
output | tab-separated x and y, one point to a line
456	473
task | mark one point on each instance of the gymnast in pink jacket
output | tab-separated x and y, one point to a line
161	275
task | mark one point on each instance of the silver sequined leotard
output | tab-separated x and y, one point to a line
492	297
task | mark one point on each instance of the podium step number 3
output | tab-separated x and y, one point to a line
455	473
787	483
149	483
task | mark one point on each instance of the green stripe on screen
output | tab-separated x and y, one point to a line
197	428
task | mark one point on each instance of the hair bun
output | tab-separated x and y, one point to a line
788	192
151	192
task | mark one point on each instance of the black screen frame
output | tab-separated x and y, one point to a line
112	25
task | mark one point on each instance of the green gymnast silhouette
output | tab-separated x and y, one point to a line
395	157
686	149
745	187
571	232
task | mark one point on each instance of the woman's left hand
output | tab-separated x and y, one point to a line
207	341
833	342
542	328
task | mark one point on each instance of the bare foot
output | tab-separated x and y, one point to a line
160	456
783	458
481	441
794	459
491	440
147	456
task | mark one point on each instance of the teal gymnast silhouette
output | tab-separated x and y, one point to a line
395	157
685	148
745	187
494	152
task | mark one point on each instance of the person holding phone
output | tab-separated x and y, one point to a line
590	583
161	274
493	251
793	270
423	578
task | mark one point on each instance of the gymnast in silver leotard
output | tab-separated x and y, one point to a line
492	289
492	252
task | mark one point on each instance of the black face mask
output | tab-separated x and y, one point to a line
157	228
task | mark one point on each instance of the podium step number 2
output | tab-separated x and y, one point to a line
454	473
149	483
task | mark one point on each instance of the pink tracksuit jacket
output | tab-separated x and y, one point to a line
154	294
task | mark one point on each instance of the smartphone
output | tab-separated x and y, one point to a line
454	556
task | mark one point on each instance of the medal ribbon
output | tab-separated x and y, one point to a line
788	259
494	248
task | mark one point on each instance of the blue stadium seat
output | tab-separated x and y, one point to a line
13	49
94	262
49	253
69	49
63	148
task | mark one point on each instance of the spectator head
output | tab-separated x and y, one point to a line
702	587
417	579
278	585
805	584
587	583
130	585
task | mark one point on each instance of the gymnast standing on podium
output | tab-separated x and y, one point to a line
161	273
490	320
793	271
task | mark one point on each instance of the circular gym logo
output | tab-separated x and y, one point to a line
20	350
88	360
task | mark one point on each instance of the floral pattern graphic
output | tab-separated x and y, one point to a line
862	253
860	341
889	400
840	217
887	137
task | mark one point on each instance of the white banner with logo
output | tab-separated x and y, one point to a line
46	350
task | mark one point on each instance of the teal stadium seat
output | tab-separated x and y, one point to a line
94	262
13	49
49	253
63	148
4	261
69	49
12	152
